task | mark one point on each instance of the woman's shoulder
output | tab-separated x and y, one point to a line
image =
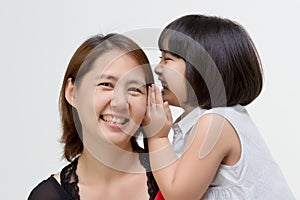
43	189
48	189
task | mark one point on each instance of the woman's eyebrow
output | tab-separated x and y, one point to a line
110	77
137	82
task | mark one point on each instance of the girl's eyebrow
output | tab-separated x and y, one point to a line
164	51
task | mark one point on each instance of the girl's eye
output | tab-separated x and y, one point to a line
165	58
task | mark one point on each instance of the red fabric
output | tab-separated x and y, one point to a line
159	196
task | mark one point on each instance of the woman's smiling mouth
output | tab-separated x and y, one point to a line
115	121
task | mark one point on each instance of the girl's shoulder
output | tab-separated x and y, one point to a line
225	111
218	134
237	116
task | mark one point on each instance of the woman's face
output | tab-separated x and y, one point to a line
171	73
111	99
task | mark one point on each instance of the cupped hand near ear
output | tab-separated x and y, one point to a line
158	119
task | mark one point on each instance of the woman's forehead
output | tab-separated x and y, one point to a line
118	64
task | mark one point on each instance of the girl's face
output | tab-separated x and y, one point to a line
112	98
171	73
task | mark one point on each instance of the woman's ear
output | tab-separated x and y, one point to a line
70	92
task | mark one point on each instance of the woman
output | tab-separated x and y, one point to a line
102	104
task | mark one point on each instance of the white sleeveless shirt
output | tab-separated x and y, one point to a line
256	175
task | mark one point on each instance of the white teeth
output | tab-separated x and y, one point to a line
119	121
114	120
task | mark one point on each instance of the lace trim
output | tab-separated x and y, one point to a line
69	178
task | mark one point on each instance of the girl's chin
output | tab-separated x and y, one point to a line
167	95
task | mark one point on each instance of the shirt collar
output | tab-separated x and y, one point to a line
189	120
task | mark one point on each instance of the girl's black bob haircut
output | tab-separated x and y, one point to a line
223	67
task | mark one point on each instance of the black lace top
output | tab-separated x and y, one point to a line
50	189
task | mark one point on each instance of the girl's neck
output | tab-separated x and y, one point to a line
187	109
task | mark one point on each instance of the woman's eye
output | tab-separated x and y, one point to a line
134	90
105	84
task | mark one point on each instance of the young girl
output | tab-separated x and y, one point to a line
102	104
210	68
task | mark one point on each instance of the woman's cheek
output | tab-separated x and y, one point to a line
138	110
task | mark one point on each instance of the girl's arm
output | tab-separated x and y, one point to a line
208	145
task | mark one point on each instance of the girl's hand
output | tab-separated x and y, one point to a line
158	119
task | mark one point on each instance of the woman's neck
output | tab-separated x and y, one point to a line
99	181
95	171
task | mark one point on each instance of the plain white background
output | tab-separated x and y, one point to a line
38	39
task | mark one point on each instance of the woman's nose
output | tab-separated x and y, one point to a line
119	101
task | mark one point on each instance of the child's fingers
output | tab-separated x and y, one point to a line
149	99
158	96
152	95
168	112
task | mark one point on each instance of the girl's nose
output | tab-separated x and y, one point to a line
158	69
